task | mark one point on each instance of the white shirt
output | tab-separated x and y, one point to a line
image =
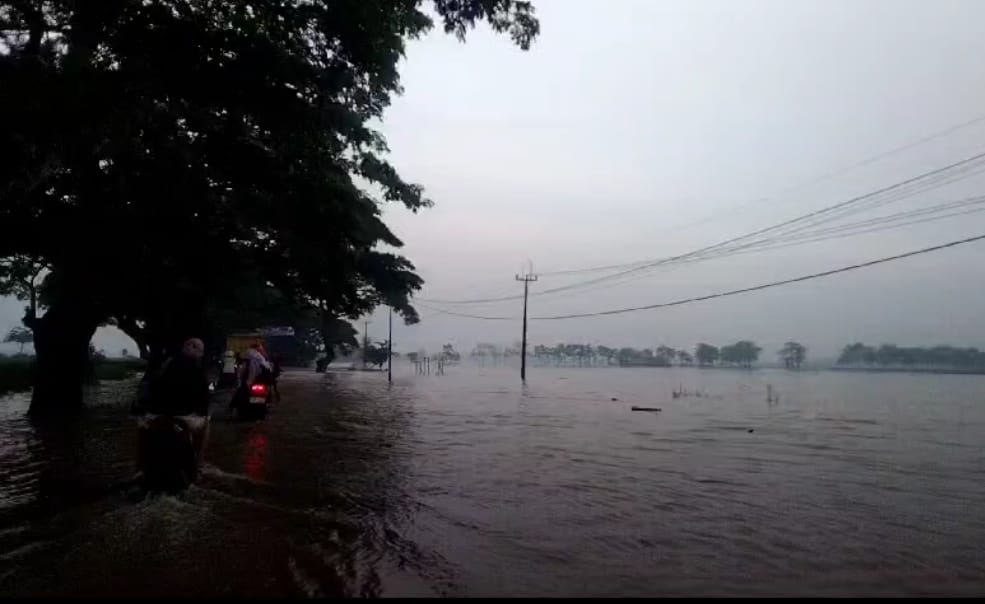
254	362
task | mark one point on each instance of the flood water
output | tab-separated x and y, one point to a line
468	484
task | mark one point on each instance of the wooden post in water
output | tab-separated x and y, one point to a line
527	278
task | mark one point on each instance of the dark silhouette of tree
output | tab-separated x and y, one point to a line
215	142
684	358
891	355
743	353
377	354
706	354
333	336
631	357
856	354
793	355
448	353
666	353
21	336
728	355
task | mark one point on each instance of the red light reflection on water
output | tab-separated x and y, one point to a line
256	456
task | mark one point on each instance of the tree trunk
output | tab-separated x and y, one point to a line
61	345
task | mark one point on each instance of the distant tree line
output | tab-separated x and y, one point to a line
891	355
743	353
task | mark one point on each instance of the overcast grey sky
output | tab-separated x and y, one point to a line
630	120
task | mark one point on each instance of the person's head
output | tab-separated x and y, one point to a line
193	348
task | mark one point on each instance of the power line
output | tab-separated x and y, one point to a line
894	221
796	187
724	294
786	223
934	174
779	244
766	285
918	184
896	191
464	315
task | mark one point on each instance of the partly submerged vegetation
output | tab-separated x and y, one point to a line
890	357
17	371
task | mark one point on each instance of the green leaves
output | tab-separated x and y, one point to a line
162	152
512	16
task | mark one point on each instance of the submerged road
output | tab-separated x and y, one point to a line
471	484
292	505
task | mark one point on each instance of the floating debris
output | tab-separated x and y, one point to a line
635	408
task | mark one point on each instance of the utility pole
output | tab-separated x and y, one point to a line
527	279
389	351
365	341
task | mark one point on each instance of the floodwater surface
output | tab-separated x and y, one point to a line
470	484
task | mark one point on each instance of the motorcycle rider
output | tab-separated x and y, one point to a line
182	387
255	368
181	391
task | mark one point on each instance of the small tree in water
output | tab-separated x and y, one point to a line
706	354
21	336
793	355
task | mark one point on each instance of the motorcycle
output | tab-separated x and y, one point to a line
254	401
168	450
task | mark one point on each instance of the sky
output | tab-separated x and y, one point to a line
641	129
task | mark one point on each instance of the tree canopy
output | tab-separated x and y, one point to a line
377	354
793	355
20	336
160	153
891	355
448	353
706	354
743	353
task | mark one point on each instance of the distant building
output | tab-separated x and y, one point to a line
279	342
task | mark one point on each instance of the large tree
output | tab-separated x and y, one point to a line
793	355
706	354
743	353
157	153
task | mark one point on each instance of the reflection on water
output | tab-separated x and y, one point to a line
256	454
468	484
